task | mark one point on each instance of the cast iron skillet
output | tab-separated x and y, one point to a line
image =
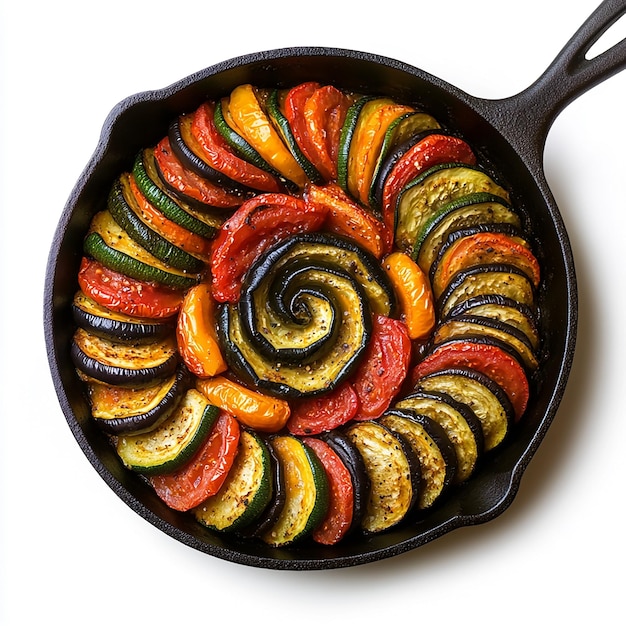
510	132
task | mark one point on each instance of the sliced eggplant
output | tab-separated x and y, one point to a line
393	471
247	491
482	394
174	442
473	325
119	410
123	363
433	448
306	492
100	321
426	193
459	422
504	280
498	307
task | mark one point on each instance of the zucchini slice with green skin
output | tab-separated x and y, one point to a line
147	178
502	279
119	410
281	123
173	443
482	394
426	193
304	315
497	307
123	363
247	490
98	320
464	212
393	471
122	207
460	423
110	244
345	139
472	325
306	492
433	448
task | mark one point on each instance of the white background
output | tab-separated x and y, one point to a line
71	550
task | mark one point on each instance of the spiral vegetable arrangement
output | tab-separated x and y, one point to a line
306	313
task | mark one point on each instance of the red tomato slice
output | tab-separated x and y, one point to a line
341	498
203	476
486	358
324	113
122	294
189	183
432	150
220	157
383	368
256	225
295	101
317	415
346	217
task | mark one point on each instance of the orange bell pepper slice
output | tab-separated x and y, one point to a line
251	408
196	333
414	293
255	126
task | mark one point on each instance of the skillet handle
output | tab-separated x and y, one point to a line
570	75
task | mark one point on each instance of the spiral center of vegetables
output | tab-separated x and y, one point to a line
304	314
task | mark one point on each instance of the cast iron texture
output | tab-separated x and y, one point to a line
510	133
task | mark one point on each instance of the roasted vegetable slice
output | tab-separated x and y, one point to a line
173	443
306	492
393	471
436	454
247	490
123	362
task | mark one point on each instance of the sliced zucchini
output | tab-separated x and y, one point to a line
304	315
460	423
110	244
472	325
497	307
98	320
483	395
504	280
433	448
393	471
125	212
281	124
118	410
147	178
123	363
169	446
306	492
464	212
247	491
345	140
426	193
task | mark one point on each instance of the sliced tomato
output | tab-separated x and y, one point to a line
295	100
173	232
489	359
189	183
346	217
340	511
122	294
219	155
432	150
196	333
317	415
256	225
324	113
203	476
384	367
